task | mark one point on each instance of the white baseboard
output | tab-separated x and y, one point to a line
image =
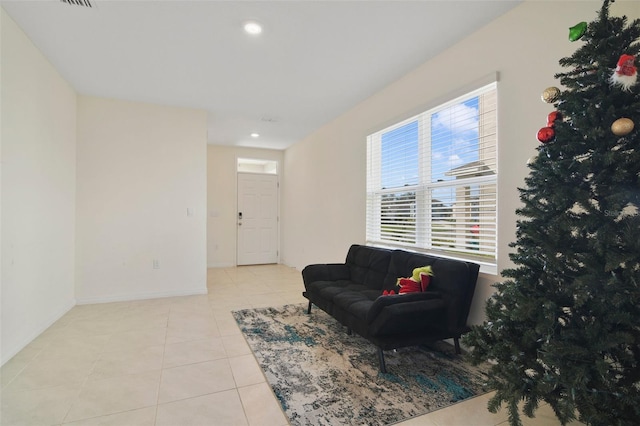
221	265
39	330
141	296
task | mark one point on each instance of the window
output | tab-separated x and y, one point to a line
432	180
252	165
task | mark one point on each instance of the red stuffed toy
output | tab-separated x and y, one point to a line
409	285
418	282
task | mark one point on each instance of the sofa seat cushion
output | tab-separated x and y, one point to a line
356	301
328	289
329	293
410	318
347	295
323	286
318	285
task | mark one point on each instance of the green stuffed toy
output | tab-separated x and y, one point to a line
418	273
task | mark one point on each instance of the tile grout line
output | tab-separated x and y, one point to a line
164	350
86	379
236	388
15	376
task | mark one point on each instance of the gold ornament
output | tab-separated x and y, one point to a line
622	126
550	94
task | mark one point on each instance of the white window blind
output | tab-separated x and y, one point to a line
432	180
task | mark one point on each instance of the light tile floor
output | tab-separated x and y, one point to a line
176	361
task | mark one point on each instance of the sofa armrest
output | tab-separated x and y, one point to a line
384	301
325	272
410	317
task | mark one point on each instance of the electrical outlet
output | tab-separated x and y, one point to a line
156	264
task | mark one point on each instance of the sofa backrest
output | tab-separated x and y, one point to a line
368	265
379	269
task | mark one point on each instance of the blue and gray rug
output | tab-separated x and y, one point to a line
322	376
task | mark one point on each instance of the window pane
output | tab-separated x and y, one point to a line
454	140
463	218
400	156
398	217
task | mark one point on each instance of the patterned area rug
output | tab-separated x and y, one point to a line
322	376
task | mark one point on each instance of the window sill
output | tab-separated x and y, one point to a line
485	267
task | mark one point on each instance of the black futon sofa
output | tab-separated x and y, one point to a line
351	292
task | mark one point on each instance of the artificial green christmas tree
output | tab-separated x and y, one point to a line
564	328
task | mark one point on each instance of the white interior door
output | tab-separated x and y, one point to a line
257	219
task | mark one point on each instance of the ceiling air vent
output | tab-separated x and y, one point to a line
85	3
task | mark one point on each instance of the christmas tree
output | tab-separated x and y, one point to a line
564	326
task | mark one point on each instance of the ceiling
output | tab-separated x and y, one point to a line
313	61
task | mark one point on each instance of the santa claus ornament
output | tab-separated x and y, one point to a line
626	73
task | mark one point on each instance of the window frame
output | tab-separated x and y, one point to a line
423	240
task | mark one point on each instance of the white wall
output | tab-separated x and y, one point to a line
222	199
324	194
38	148
141	169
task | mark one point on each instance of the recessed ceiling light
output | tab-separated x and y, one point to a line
252	27
255	135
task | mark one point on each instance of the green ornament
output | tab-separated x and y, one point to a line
577	31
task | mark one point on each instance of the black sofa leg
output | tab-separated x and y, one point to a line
309	308
383	366
349	332
456	342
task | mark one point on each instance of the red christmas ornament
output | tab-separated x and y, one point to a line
546	134
553	117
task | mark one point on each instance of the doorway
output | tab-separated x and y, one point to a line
257	217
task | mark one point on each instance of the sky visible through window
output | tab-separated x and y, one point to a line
454	142
400	156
